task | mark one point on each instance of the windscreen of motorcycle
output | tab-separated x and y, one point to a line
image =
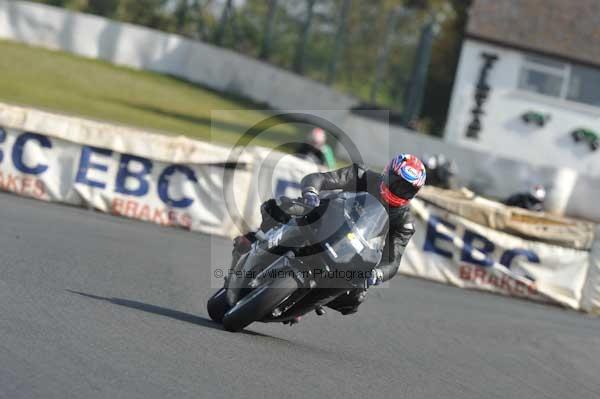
369	219
361	233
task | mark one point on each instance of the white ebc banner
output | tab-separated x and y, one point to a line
451	249
189	196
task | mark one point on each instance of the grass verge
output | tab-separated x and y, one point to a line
65	83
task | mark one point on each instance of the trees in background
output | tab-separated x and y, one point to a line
444	63
371	49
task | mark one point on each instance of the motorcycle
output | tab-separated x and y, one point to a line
300	266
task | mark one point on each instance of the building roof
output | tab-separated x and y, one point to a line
565	28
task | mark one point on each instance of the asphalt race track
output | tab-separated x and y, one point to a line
93	306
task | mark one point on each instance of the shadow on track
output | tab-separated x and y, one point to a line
197	320
158	310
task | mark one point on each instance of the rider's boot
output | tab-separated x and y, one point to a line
348	303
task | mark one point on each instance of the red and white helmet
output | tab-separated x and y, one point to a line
402	179
538	192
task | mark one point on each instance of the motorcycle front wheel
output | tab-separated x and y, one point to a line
259	303
217	306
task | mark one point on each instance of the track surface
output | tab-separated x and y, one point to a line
139	329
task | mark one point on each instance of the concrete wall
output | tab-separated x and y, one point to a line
504	133
142	48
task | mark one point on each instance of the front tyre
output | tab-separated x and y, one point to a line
258	304
217	306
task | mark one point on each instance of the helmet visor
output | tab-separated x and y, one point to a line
399	187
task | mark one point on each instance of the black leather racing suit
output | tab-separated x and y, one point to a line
356	178
525	201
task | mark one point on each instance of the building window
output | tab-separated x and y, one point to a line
584	85
543	76
559	79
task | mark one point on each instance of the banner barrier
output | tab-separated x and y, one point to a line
538	226
590	301
185	195
168	194
470	244
451	249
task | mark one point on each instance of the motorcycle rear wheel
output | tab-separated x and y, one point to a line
258	303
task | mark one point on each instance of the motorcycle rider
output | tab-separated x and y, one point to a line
441	172
532	200
316	148
400	181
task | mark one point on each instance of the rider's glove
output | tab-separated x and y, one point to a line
375	278
311	199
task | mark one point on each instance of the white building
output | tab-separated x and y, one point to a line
528	78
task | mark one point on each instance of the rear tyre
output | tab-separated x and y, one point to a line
258	304
217	306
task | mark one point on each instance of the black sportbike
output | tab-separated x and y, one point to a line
302	265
